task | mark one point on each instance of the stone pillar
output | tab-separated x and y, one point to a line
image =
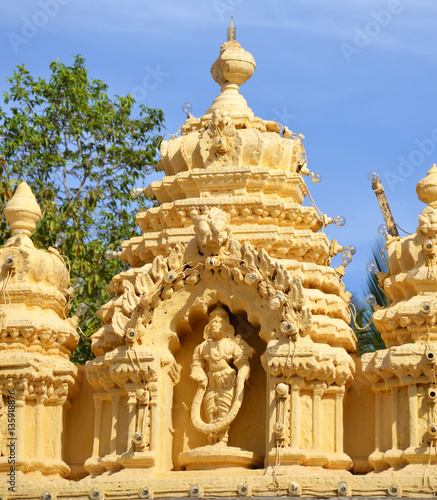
338	459
132	416
295	415
413	424
316	456
93	464
395	456
392	370
376	459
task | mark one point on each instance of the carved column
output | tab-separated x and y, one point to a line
318	392
392	370
301	371
338	459
316	456
376	459
20	403
295	455
115	400
132	374
132	416
98	404
39	425
395	456
413	423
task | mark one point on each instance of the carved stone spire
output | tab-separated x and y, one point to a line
22	211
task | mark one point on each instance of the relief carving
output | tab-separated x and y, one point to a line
221	386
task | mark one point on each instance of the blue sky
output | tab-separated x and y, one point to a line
356	78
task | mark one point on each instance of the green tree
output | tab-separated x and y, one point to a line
81	152
369	339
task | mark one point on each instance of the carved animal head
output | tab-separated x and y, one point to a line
212	231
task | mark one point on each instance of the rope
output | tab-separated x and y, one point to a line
280	444
143	381
170	136
428	464
288	357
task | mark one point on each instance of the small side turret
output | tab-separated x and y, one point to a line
36	343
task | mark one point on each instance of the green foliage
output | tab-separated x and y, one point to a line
81	152
370	340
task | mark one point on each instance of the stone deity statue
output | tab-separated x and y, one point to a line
221	367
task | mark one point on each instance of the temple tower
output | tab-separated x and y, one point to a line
230	232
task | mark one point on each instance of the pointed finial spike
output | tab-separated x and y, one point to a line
22	211
232	31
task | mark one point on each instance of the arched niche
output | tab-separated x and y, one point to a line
181	320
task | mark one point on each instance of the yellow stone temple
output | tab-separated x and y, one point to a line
225	364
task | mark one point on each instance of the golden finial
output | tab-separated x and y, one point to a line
22	211
233	67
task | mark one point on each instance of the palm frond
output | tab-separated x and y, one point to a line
369	339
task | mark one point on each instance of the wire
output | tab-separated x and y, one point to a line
399	227
6	297
317	209
171	135
275	481
353	310
383	257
